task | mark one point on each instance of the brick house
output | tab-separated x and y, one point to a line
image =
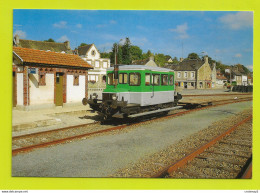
193	74
44	79
97	76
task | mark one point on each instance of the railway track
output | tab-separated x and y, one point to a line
229	155
29	142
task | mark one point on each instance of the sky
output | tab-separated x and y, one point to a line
222	35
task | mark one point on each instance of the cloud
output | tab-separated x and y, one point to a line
61	24
250	67
20	33
139	41
181	30
110	37
238	55
237	20
79	25
63	39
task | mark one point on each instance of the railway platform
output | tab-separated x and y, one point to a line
24	122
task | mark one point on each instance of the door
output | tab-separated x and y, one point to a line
59	89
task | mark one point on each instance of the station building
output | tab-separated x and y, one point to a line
45	79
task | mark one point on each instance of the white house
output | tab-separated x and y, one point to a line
97	76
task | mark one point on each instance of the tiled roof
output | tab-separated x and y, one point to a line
52	58
41	45
221	77
82	50
188	65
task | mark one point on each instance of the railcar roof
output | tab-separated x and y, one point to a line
141	67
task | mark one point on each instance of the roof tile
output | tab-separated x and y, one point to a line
47	57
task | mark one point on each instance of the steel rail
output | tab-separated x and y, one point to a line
198	95
41	145
191	156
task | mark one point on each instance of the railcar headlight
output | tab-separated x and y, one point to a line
114	97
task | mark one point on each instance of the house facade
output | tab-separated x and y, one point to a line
96	76
193	74
45	79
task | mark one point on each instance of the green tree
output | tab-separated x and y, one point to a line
49	40
136	53
160	59
126	55
105	54
193	56
147	54
83	44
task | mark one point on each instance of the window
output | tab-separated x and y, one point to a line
179	74
192	74
134	79
76	80
185	74
179	83
42	79
156	79
171	80
111	80
97	64
104	64
147	79
192	84
164	79
93	53
123	78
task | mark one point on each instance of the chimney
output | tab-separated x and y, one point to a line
67	44
206	59
151	58
181	59
16	39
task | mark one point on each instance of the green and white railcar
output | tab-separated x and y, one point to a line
138	89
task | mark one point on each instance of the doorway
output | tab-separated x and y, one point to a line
59	89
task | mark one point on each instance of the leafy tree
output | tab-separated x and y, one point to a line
105	54
49	40
126	52
83	44
147	54
193	56
136	53
160	59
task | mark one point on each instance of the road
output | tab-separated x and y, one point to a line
101	156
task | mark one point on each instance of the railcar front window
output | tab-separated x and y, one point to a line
156	79
111	80
134	79
123	78
147	79
171	80
164	79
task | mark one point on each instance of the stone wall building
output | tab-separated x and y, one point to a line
193	74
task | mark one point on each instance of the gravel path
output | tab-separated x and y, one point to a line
156	162
103	155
